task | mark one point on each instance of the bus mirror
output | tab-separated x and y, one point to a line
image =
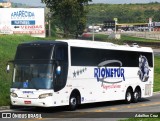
8	68
58	70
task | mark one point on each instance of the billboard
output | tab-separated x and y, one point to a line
22	21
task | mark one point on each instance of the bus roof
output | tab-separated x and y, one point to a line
105	45
88	44
42	43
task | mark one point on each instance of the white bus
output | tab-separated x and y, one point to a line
73	72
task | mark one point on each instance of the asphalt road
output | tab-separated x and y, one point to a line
112	111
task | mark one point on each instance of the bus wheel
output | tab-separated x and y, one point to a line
73	103
128	96
136	96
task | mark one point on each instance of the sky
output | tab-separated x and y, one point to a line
38	2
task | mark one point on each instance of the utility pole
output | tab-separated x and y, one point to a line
150	24
115	19
92	32
49	27
49	15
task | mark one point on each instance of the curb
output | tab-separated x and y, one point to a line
4	107
156	92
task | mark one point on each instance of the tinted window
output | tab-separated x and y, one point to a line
32	52
61	53
92	57
61	57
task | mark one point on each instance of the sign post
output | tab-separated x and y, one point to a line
115	19
150	24
22	21
93	32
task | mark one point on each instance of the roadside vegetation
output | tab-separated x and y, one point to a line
8	44
136	39
124	39
157	74
126	13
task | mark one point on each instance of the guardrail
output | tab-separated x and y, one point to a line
146	35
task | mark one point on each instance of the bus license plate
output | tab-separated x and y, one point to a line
27	102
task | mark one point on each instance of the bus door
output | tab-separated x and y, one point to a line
60	67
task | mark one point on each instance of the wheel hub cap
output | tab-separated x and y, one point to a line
73	101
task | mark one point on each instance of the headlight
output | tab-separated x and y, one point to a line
14	94
45	95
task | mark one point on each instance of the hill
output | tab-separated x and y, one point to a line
126	13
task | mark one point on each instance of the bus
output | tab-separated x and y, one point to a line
74	72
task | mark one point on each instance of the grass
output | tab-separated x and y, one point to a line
124	39
157	74
136	39
97	37
101	37
8	44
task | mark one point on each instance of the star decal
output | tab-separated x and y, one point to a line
74	74
78	72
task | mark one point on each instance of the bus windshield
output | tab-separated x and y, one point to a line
33	76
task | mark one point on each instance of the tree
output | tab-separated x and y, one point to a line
68	15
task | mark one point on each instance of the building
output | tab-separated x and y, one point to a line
5	4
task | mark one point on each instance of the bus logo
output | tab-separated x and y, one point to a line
102	72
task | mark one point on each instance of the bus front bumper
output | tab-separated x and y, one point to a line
46	102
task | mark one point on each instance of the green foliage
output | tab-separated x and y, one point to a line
126	13
136	39
69	15
157	73
124	39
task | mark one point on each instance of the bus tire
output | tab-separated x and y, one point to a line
73	102
128	96
136	96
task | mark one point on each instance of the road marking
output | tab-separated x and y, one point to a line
98	111
134	106
113	108
129	106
